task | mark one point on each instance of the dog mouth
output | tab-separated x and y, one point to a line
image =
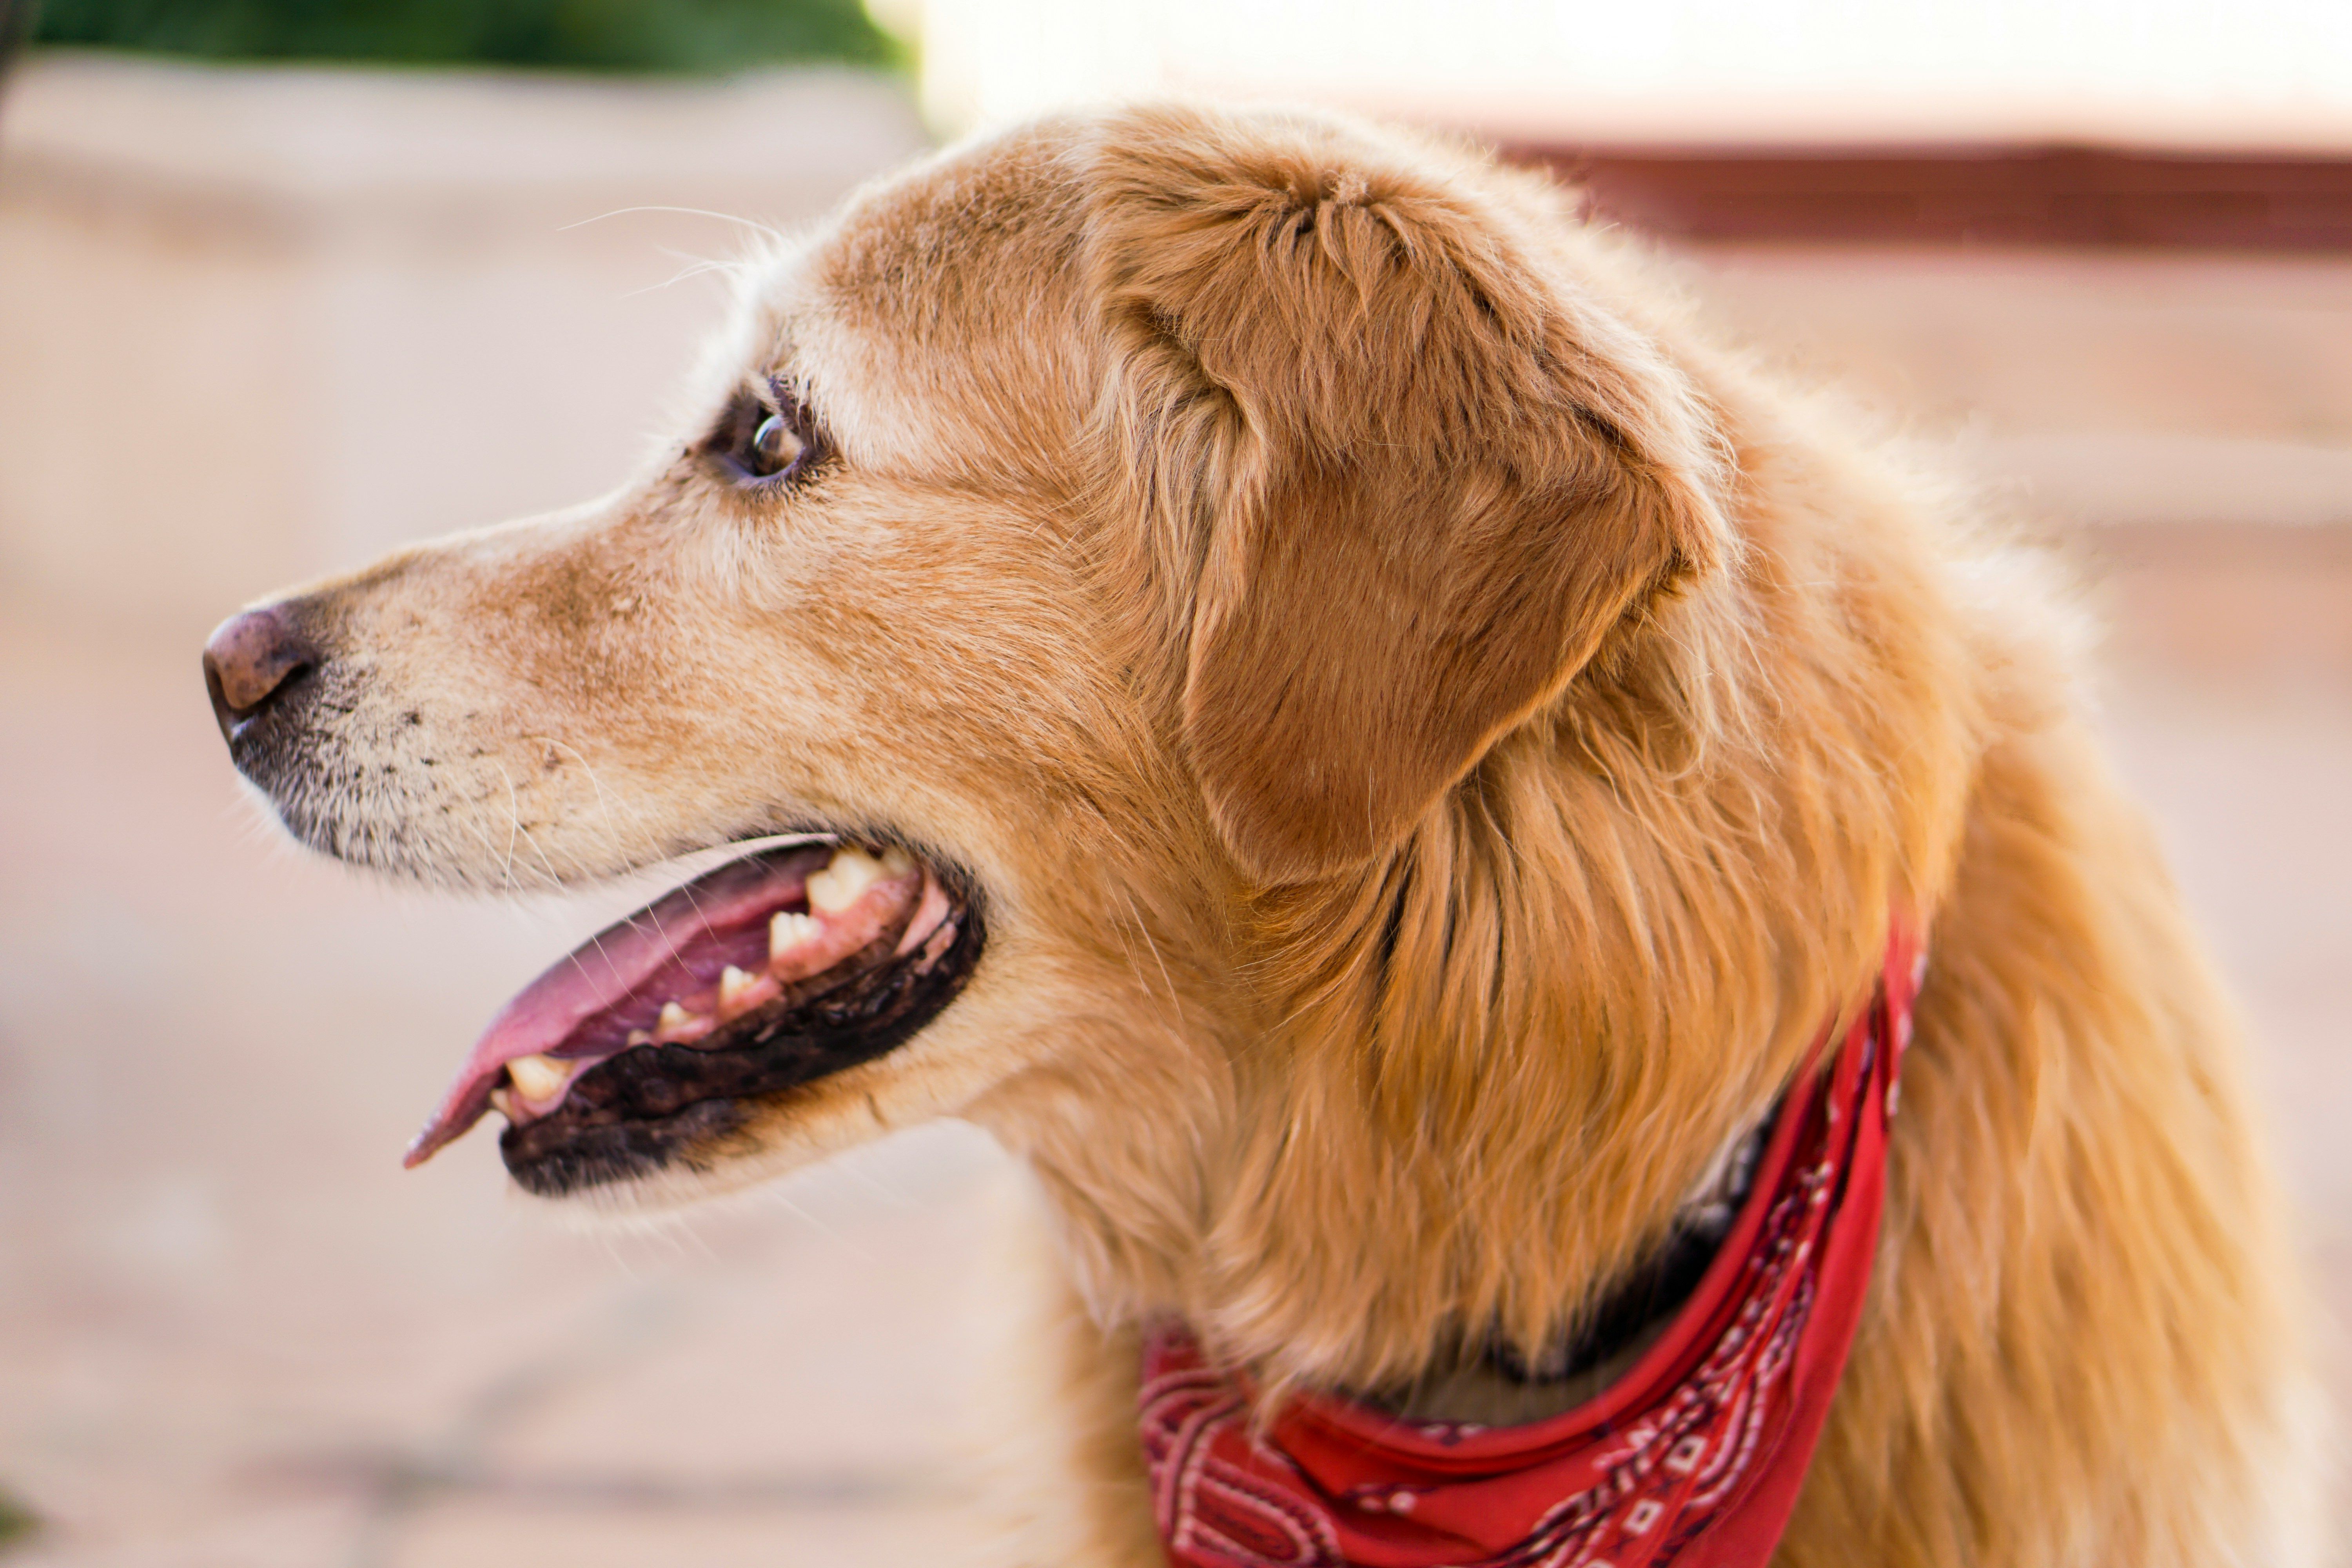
653	1038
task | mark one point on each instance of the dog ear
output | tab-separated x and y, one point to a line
1430	477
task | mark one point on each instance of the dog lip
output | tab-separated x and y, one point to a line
613	966
810	940
634	1114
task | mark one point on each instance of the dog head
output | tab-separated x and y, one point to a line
1087	542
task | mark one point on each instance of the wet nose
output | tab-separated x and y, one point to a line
252	659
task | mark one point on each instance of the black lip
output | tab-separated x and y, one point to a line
276	744
656	1106
292	750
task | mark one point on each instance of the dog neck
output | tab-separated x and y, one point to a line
1460	1095
1492	1384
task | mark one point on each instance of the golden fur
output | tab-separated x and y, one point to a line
1439	737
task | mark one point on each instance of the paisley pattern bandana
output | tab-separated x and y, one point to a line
1696	1454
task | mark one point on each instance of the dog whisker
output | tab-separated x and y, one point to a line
766	230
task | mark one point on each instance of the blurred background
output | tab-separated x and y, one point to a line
284	282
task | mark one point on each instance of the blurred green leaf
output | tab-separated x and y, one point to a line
684	36
17	1521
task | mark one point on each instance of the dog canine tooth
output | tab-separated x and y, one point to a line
538	1078
787	931
849	873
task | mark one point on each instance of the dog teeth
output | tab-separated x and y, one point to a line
849	873
740	992
787	931
673	1018
502	1101
639	1037
538	1078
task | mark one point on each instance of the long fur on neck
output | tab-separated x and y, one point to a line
1465	1087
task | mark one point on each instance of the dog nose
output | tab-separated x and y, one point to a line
250	660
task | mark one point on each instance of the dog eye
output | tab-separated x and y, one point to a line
762	440
775	446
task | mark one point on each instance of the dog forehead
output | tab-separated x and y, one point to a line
936	320
928	238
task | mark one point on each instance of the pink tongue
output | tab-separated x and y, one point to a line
606	968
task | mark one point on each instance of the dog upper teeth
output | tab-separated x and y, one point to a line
538	1078
848	874
787	931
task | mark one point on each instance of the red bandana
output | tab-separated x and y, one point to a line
1705	1440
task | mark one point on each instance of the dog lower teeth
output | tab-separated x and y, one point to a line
787	931
535	1083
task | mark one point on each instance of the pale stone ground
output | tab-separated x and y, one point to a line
234	1334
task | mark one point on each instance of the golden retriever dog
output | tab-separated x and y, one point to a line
1279	670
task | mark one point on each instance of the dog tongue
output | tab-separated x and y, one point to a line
610	966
